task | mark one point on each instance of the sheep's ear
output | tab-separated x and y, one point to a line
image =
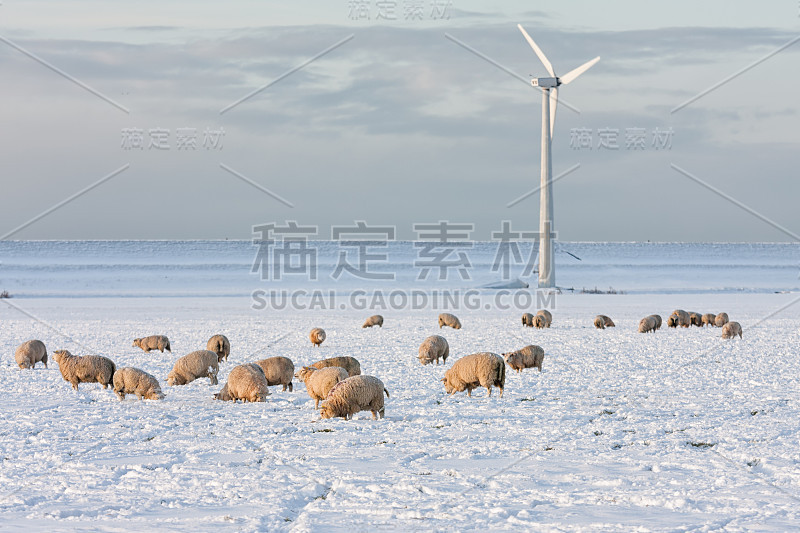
443	380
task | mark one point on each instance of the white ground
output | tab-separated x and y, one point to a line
672	431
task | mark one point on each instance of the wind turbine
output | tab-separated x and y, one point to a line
549	87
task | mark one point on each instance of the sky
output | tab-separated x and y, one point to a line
396	124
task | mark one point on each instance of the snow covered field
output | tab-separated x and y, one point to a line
674	431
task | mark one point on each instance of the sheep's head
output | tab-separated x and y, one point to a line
449	387
137	343
304	372
58	355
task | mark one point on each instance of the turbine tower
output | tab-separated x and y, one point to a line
549	87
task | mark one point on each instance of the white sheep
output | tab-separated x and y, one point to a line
350	364
196	365
432	348
603	322
355	394
31	352
131	380
530	356
672	321
527	320
731	329
85	369
319	382
682	318
245	382
657	318
220	345
483	369
317	336
548	318
721	319
278	370
374	320
647	324
153	342
696	319
708	319
446	319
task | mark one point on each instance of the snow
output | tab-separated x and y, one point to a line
672	431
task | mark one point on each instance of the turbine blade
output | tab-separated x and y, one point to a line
572	74
538	51
553	105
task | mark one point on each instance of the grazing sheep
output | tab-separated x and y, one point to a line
708	319
350	364
647	325
530	356
477	370
603	322
672	321
731	329
85	369
657	318
548	318
278	371
319	382
682	318
245	382
374	320
527	320
696	319
153	342
355	394
196	365
317	335
446	319
220	345
721	319
432	348
131	380
29	353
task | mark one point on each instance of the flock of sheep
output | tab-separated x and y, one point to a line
685	319
337	381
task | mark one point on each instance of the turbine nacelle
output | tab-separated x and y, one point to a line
546	83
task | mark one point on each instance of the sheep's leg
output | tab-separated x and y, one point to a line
74	385
489	388
316	404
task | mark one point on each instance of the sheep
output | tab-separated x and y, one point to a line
350	364
548	318
696	319
374	320
657	318
647	324
603	322
153	342
477	370
245	382
85	369
29	353
446	319
708	319
672	321
432	348
131	380
721	319
220	345
355	394
527	320
530	356
319	382
731	329
196	365
278	371
682	318
317	336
